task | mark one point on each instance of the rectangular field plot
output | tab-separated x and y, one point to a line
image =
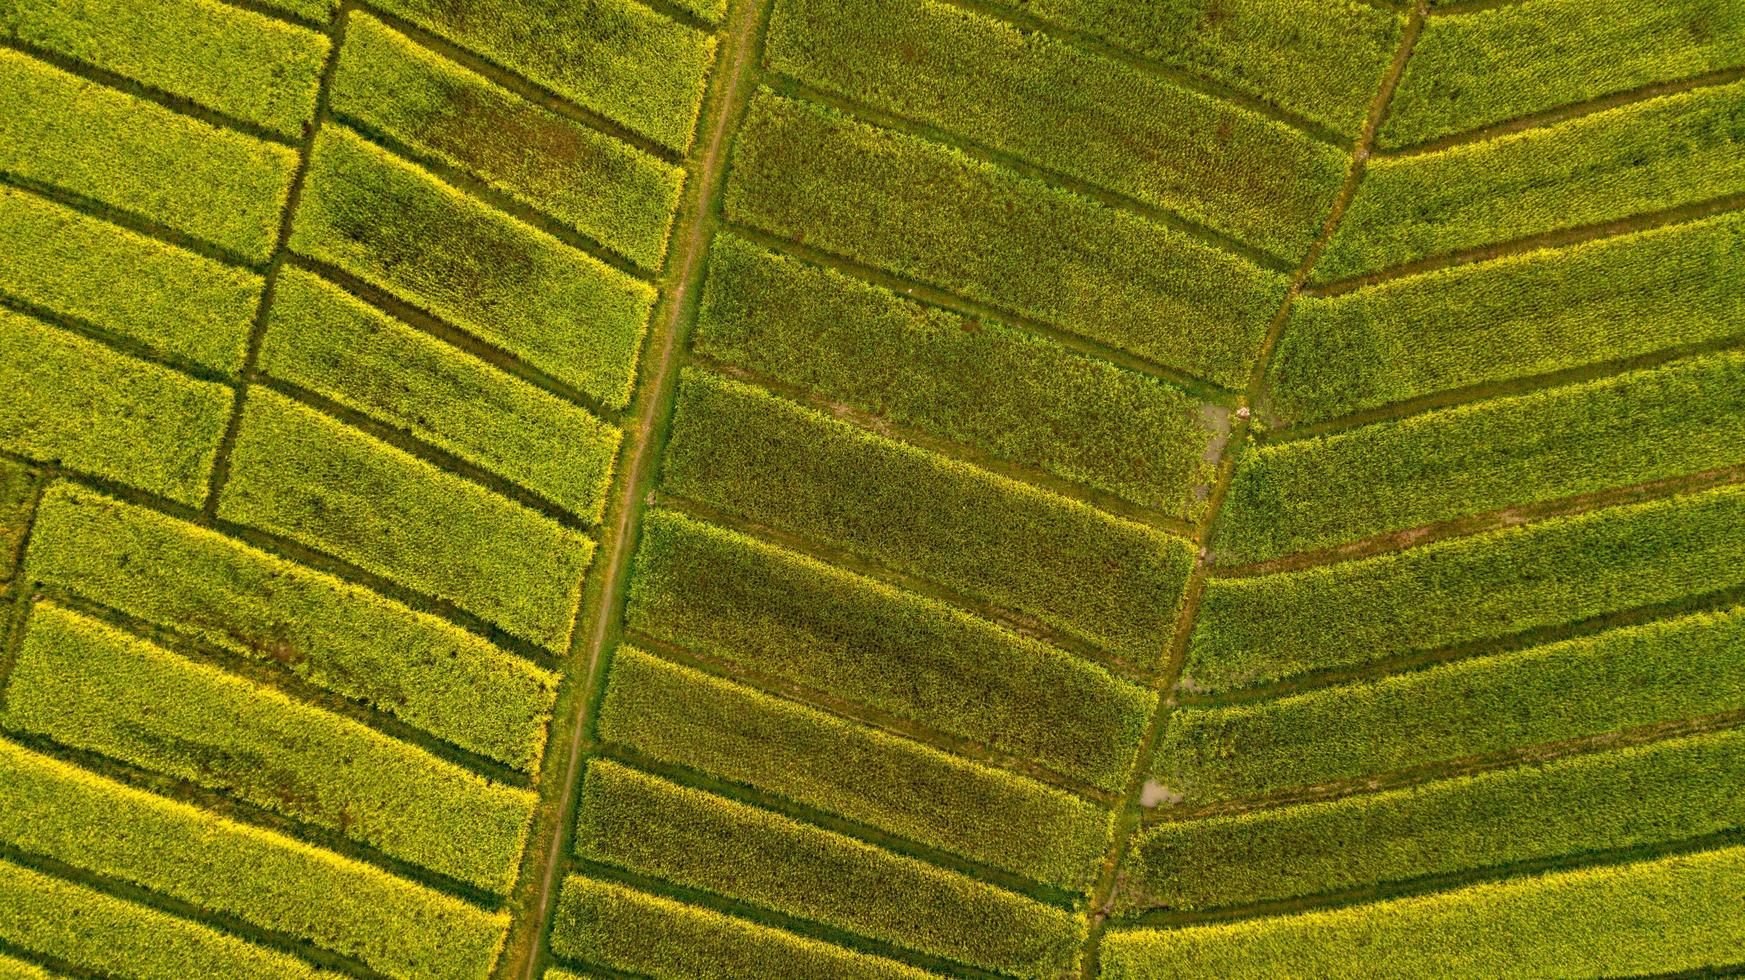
214	185
1270	627
922	210
300	474
594	183
1655	673
1112	582
1685	417
1057	106
1663	916
1510	318
87	685
779	614
336	636
396	227
695	839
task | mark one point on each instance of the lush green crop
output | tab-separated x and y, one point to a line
52	917
688	718
1563	570
322	339
88	685
921	209
172	301
65	814
1510	318
698	840
1322	59
613	926
333	635
1472	70
1111	581
125	153
616	57
1059	106
1638	675
1681	789
317	11
601	187
92	409
979	383
18	484
710	10
1640	158
298	473
237	62
390	223
783	615
1653	917
1686	417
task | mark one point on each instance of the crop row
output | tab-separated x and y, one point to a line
648	935
1563	570
684	717
1664	916
594	183
1319	60
322	339
1058	106
1102	578
697	840
1681	418
1647	674
87	685
978	383
1633	160
64	814
775	612
339	637
1511	318
1522	58
18	489
105	413
1640	797
394	226
920	209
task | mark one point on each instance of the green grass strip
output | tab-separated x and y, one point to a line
685	717
322	339
1638	675
601	187
76	925
81	404
780	614
695	839
1113	582
920	209
1511	318
395	226
233	61
1527	57
213	184
1058	106
298	473
1685	417
17	491
617	57
392	925
336	636
1563	570
1666	916
85	684
1632	160
623	929
175	302
1639	797
978	383
1321	59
